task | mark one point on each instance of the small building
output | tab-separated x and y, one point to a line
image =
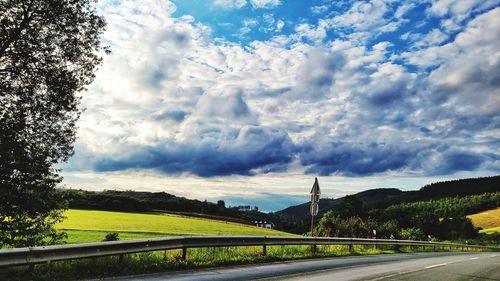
246	208
264	224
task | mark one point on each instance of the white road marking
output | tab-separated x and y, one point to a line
493	256
436	265
474	258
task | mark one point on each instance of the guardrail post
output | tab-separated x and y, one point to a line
264	250
351	248
313	249
184	253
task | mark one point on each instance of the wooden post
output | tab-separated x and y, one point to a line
184	253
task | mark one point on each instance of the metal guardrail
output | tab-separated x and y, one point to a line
44	254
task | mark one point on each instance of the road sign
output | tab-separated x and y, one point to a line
314	209
315	189
315	192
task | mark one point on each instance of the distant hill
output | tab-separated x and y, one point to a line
437	190
384	197
368	197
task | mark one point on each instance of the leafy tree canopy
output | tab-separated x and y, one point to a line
49	50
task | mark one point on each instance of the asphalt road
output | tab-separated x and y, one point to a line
417	266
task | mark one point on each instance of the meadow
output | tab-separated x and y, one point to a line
92	226
488	220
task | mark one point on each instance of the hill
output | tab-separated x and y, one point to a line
384	197
368	197
91	226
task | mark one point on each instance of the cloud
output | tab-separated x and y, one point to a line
307	31
245	151
190	102
266	4
465	80
454	13
256	4
228	4
366	19
279	25
319	9
433	38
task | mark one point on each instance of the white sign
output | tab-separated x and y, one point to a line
314	209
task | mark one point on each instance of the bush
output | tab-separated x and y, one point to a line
412	233
112	236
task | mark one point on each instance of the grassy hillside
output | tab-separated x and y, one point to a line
91	226
488	220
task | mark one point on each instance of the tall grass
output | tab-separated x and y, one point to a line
161	261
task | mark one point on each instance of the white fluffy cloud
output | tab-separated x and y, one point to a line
173	99
257	4
230	3
267	4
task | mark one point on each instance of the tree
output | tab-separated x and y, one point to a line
351	206
49	50
221	204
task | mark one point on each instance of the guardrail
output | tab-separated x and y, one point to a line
44	254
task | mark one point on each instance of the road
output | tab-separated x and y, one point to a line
417	266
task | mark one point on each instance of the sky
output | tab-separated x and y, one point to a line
249	100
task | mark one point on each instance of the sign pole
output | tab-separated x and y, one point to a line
312	225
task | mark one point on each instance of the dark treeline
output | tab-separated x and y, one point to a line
462	187
441	219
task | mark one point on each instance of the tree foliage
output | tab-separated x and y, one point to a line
49	50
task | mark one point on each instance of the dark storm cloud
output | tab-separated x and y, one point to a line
355	159
359	159
254	148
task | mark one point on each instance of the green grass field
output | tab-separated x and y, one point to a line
488	220
91	226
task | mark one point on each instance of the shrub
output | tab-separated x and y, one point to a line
112	236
